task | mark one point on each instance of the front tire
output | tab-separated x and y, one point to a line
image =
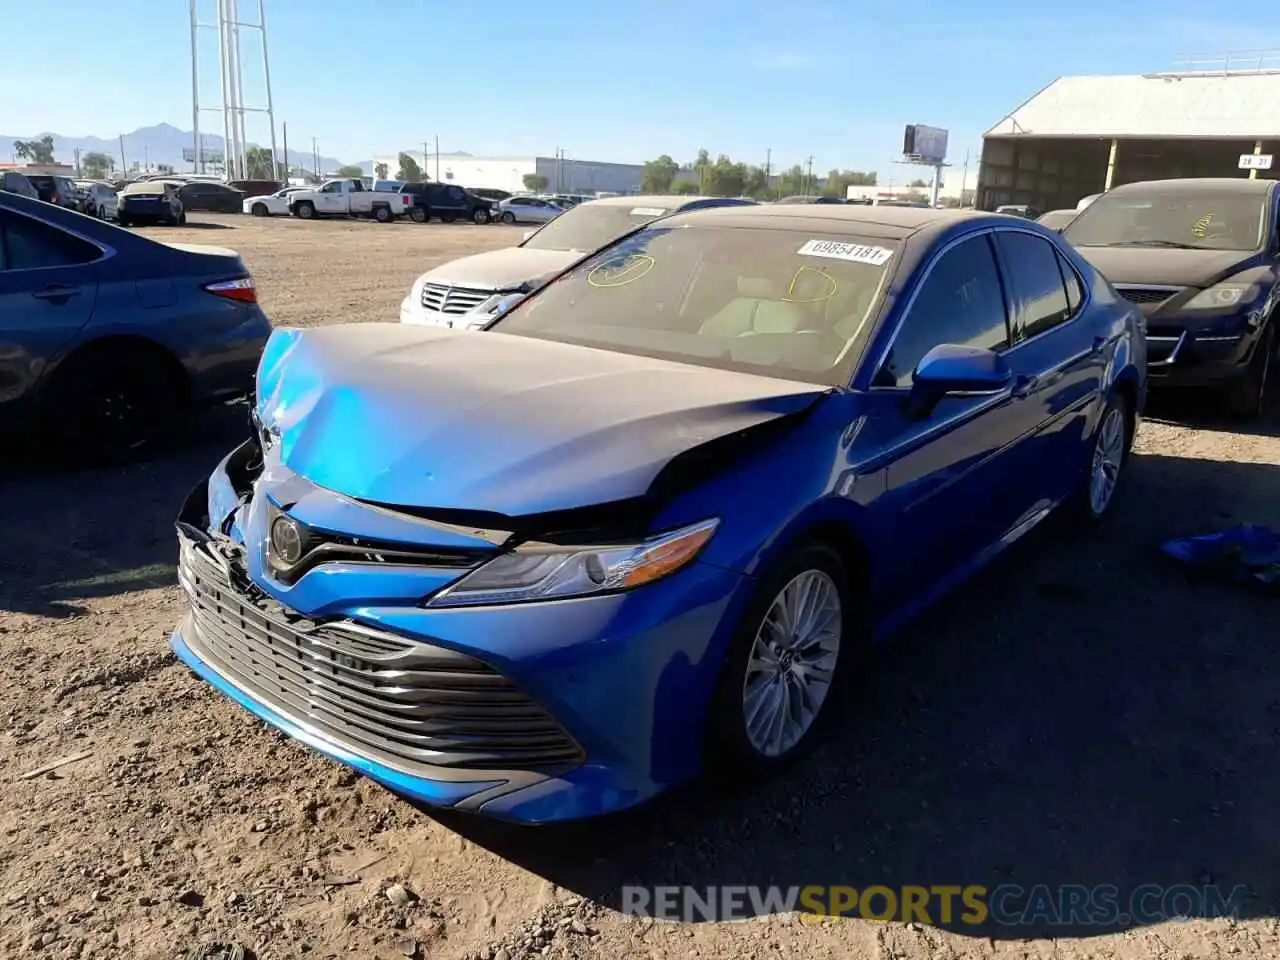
508	218
788	663
1246	396
480	217
259	210
1109	455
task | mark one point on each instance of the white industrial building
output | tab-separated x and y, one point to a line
1082	135
563	174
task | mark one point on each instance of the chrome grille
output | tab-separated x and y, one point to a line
412	705
454	300
1147	295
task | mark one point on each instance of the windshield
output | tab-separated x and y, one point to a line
1213	220
775	302
590	226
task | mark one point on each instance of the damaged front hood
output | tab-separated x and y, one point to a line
456	420
1163	265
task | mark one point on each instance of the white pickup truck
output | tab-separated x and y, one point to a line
348	198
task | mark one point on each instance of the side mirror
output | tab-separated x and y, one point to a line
953	370
497	310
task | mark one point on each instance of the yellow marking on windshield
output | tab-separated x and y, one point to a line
1202	226
621	271
829	289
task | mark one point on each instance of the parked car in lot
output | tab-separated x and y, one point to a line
1201	259
13	182
654	521
197	195
348	198
54	189
469	291
1057	219
270	205
528	210
107	336
1020	210
99	199
150	201
447	202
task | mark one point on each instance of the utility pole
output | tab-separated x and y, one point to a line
964	178
124	164
437	158
808	178
425	162
768	168
315	158
287	168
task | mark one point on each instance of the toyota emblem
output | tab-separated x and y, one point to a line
286	539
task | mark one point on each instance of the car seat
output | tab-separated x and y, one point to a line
758	308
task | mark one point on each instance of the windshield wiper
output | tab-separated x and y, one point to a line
1146	243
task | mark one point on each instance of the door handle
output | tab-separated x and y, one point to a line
56	293
1024	386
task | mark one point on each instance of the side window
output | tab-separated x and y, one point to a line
455	193
331	188
1071	280
29	244
1031	263
961	302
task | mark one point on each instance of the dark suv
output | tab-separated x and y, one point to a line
446	201
59	190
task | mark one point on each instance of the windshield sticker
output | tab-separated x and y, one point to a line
811	285
621	270
1202	226
647	211
853	252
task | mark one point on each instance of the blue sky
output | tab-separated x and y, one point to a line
626	82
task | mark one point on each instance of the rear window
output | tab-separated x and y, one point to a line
778	302
590	226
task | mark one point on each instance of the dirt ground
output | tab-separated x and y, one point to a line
1081	714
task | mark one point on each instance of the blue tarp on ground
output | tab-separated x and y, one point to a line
1247	554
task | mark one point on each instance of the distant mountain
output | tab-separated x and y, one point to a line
162	144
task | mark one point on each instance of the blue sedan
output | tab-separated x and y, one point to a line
105	336
655	517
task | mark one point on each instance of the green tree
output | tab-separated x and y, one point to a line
380	170
350	171
701	165
534	182
724	178
259	164
96	166
658	175
409	170
757	182
35	151
839	180
918	184
792	181
684	187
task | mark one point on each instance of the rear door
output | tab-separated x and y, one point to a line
1059	359
48	285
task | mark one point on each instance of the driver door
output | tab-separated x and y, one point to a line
943	500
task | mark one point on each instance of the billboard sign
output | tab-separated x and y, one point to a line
210	155
925	144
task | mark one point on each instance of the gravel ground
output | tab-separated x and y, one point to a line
1082	714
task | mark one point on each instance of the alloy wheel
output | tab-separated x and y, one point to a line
1108	458
792	663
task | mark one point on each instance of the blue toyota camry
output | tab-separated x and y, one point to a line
654	516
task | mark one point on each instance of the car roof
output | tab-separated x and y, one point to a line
885	222
1220	186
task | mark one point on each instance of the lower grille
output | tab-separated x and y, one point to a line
454	300
394	700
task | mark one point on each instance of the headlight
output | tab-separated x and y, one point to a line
1223	295
548	572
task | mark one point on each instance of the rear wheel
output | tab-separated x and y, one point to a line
480	216
508	217
418	215
259	210
1246	396
110	404
382	214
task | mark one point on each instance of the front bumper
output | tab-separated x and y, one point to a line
412	311
1181	357
613	690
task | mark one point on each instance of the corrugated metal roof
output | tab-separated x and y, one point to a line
1158	106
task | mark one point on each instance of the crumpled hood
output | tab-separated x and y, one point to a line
501	269
431	417
1164	265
